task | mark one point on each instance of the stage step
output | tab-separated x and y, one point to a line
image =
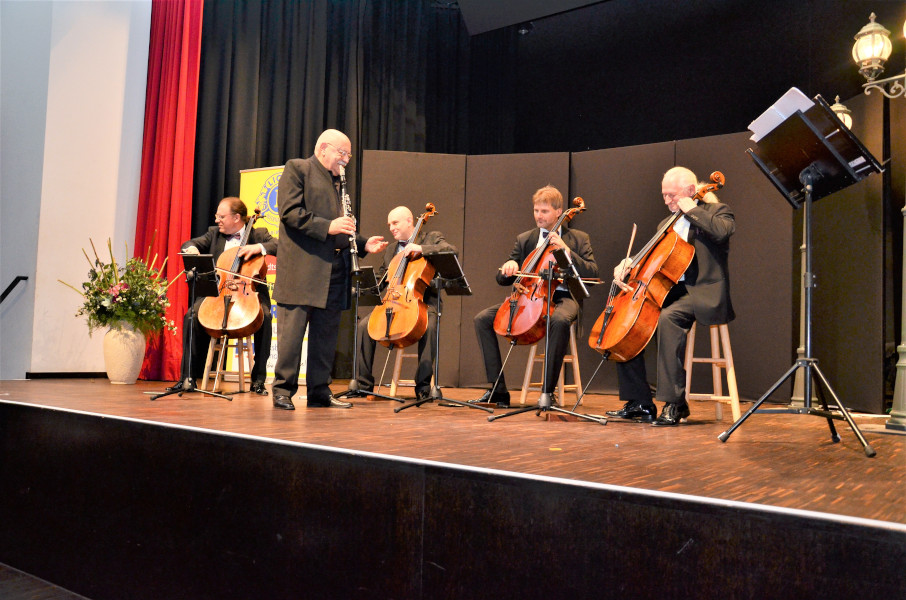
16	585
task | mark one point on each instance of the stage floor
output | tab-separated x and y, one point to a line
781	460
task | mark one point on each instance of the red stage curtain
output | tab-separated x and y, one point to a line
168	152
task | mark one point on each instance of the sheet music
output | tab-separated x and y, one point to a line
778	112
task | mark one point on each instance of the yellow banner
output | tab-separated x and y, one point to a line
258	189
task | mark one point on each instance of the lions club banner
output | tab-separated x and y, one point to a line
258	189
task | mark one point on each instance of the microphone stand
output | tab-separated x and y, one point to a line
545	400
193	261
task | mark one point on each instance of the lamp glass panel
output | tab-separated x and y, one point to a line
872	46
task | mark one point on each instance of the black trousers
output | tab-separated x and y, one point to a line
673	326
196	355
565	314
427	353
323	330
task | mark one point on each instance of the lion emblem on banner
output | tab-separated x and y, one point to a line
267	202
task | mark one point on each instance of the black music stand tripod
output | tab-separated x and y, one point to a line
816	150
545	401
450	278
366	294
201	277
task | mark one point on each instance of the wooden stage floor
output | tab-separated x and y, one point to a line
780	460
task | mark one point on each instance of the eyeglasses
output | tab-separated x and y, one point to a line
342	153
218	217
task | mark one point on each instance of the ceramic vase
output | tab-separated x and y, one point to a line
124	351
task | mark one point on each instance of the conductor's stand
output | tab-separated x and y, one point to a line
450	278
202	279
807	156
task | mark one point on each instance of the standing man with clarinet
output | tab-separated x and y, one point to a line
318	246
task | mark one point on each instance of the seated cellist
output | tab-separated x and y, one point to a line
548	206
230	218
702	294
401	224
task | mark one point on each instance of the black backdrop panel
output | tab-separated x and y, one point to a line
499	192
391	179
760	265
848	248
894	286
621	186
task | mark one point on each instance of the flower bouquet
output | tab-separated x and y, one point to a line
133	294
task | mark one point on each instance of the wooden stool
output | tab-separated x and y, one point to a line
717	363
396	382
536	354
222	347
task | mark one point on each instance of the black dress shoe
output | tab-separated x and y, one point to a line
331	402
423	396
258	388
177	387
284	402
633	411
672	414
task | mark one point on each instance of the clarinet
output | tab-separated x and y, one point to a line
347	212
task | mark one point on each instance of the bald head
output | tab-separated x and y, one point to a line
400	223
331	136
333	150
684	181
681	176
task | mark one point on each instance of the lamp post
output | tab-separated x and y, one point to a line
871	51
844	114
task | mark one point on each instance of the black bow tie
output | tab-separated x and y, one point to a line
233	236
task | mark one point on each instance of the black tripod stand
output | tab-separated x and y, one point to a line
451	278
365	284
545	400
816	150
199	269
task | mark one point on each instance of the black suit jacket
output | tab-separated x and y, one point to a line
431	242
708	276
579	246
308	202
212	242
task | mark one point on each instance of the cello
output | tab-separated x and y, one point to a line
235	311
402	317
629	320
521	316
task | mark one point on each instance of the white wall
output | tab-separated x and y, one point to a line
24	60
95	62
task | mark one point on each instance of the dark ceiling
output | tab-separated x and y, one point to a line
624	72
486	15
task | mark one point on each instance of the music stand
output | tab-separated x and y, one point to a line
814	149
545	402
201	277
366	294
449	277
